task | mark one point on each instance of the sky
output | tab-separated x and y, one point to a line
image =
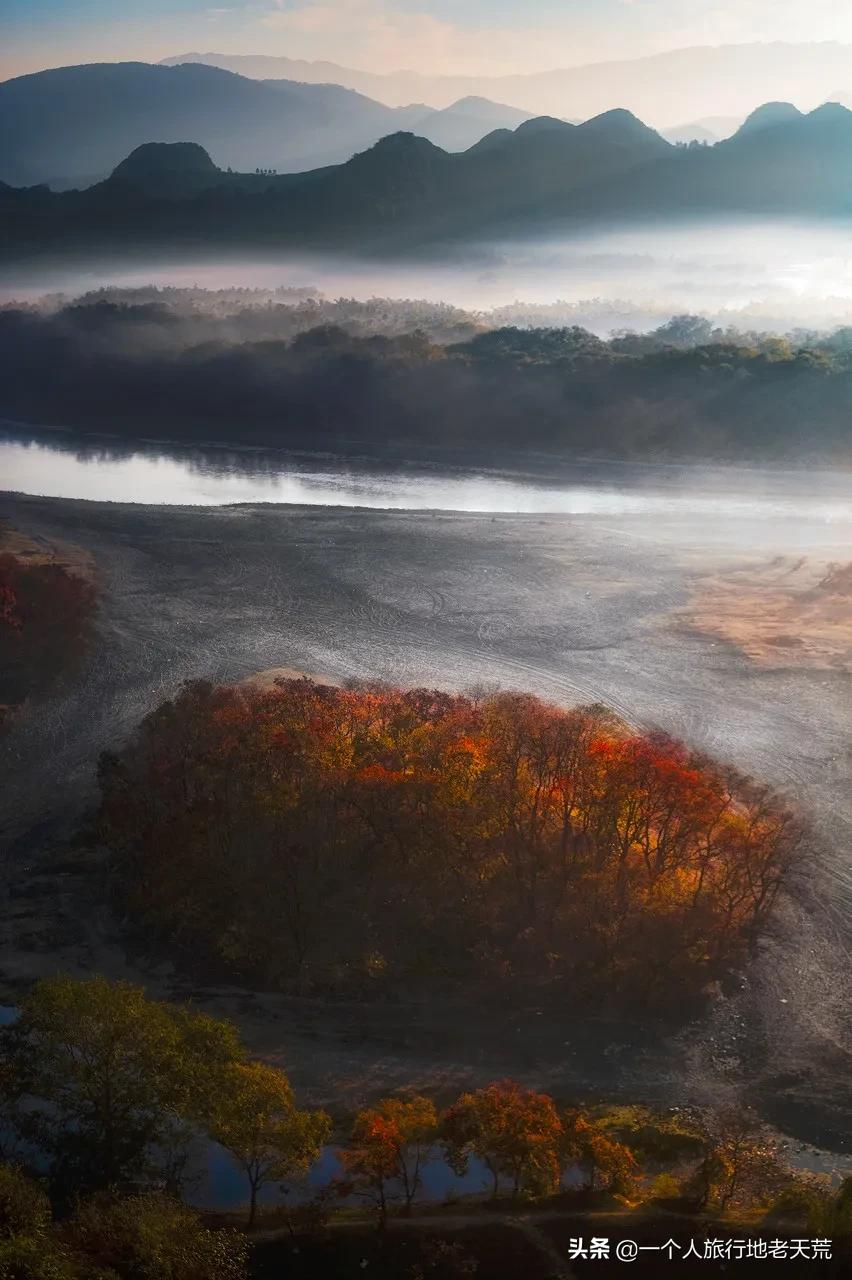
476	37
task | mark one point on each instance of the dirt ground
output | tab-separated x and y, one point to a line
38	551
794	612
578	609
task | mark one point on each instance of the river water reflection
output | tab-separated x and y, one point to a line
59	464
221	1185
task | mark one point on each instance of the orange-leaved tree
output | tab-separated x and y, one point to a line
607	1163
515	1132
387	1149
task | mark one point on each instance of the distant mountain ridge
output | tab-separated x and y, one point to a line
71	126
404	192
665	88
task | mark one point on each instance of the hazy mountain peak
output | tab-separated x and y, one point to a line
830	111
486	109
678	85
768	115
617	118
472	100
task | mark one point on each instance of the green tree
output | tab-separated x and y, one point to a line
111	1076
152	1237
387	1149
28	1247
515	1132
255	1119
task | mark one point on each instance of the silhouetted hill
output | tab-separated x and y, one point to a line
783	163
404	191
769	115
173	168
623	129
542	124
73	125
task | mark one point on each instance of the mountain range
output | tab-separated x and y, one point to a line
666	88
404	192
71	126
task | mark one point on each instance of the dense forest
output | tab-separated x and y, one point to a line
262	375
318	839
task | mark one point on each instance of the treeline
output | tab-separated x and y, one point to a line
319	839
189	316
103	1092
46	618
241	314
126	368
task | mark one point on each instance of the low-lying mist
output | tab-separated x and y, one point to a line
770	276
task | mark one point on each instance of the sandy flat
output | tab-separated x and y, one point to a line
38	550
791	612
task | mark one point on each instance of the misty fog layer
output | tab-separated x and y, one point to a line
774	276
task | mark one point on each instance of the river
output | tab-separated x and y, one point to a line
65	465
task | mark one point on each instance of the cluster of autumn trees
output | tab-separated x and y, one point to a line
313	838
529	1147
517	1134
103	1093
46	614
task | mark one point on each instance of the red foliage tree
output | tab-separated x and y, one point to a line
46	614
